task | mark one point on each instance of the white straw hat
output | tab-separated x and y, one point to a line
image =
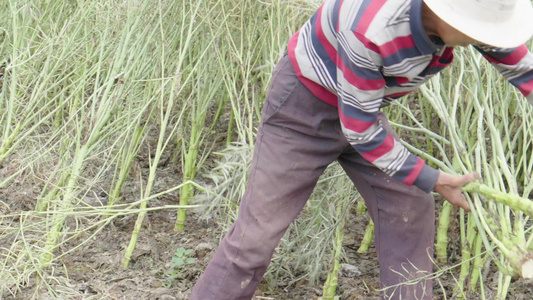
499	23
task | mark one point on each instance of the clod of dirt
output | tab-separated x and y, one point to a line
350	271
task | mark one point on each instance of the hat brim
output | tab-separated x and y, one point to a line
509	33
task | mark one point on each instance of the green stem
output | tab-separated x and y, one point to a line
513	201
441	245
478	262
367	238
330	286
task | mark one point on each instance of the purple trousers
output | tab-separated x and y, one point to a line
299	136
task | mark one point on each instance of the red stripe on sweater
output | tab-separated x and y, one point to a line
402	42
526	88
354	124
447	54
411	178
317	90
370	12
359	82
515	57
381	150
366	42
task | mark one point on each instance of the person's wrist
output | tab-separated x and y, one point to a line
440	182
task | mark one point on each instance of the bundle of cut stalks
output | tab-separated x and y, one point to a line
485	126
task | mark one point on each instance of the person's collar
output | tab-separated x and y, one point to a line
422	41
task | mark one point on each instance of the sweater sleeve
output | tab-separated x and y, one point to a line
360	94
516	65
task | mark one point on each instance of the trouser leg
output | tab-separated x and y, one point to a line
404	218
297	139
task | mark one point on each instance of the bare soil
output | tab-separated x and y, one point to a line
94	271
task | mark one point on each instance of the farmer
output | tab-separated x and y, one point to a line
349	60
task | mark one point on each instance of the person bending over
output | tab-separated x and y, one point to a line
351	58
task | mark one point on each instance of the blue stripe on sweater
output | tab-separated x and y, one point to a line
360	13
357	114
377	141
320	50
359	71
401	55
406	169
526	77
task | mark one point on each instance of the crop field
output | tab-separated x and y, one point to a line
127	128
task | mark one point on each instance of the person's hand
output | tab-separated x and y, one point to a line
449	186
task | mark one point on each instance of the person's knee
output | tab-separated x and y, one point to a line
252	243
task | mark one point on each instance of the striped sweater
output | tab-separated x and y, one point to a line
361	54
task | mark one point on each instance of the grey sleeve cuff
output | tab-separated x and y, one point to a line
427	179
